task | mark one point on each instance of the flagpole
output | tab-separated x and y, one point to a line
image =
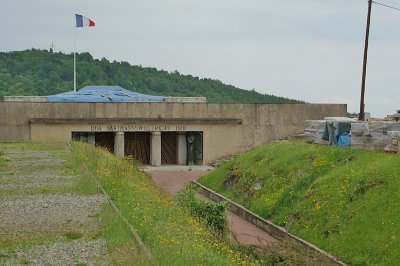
80	21
74	58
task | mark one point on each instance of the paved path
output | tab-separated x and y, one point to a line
172	179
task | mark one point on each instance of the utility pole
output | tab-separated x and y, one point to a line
361	115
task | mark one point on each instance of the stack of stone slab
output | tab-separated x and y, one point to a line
394	117
373	135
394	145
314	129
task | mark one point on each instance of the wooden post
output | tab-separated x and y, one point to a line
361	115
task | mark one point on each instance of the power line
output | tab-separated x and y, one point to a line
381	4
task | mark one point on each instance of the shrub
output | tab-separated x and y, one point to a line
212	214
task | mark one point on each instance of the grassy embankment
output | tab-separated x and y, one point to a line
344	201
171	234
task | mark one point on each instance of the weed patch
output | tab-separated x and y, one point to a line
73	235
212	214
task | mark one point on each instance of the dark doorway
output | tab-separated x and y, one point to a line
105	140
137	145
168	147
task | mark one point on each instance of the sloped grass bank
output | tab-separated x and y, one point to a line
344	201
171	234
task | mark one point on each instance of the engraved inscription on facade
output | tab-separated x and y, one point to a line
95	128
140	128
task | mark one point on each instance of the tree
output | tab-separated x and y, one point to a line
39	72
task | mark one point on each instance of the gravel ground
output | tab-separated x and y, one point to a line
15	182
50	213
69	253
26	214
37	163
13	177
30	154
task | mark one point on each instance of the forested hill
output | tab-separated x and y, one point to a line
41	72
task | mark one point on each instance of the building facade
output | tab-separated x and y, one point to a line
163	132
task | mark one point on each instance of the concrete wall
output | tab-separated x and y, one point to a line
228	128
25	98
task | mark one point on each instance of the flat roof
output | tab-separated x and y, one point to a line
104	94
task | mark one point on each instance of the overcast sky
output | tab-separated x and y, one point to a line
310	50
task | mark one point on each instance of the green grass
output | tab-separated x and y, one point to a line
120	242
53	147
344	201
171	234
17	192
12	241
2	159
73	235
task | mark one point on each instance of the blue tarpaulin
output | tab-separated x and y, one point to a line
103	94
344	140
337	133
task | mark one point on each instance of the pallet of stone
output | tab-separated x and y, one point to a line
369	142
314	129
394	117
373	135
381	127
394	144
377	142
394	134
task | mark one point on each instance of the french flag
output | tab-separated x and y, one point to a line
82	21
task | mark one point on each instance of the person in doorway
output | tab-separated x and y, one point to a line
190	149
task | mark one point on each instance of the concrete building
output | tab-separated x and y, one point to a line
168	132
